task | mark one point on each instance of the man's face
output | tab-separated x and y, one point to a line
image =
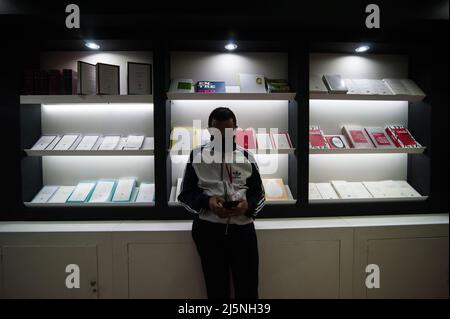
223	127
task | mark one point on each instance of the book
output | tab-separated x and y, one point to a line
210	87
277	85
336	141
139	78
401	137
62	194
274	189
281	141
70	81
245	138
102	191
109	143
108	79
316	138
264	141
45	194
146	193
54	82
367	86
350	190
87	78
313	192
334	83
327	191
316	84
66	142
379	137
134	142
149	143
182	86
403	189
356	137
53	143
404	87
43	142
378	189
87	143
252	83
82	192
124	189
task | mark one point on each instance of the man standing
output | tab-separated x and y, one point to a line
225	195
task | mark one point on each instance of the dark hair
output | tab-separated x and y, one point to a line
221	114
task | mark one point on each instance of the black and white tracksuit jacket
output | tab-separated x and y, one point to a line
232	181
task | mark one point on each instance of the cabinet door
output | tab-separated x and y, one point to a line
40	271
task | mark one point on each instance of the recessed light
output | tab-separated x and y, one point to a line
231	46
362	48
92	45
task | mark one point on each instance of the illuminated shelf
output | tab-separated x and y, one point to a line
90	153
290	201
230	96
368	200
257	151
109	204
71	99
418	150
365	97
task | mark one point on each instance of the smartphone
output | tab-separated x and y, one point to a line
230	204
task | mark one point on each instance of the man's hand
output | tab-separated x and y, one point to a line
241	208
215	204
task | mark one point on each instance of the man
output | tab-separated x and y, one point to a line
226	196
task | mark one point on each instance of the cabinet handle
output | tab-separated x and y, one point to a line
93	286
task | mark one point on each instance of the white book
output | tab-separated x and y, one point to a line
402	189
350	190
124	190
404	87
146	193
54	142
81	192
378	189
327	191
102	192
149	143
335	83
178	189
316	84
87	143
134	142
62	194
43	142
45	194
264	141
252	83
109	143
281	141
66	142
313	192
352	86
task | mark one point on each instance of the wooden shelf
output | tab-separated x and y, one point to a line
365	97
74	99
418	150
90	153
230	96
368	200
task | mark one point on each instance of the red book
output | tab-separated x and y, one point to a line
316	138
356	137
379	137
336	141
246	138
401	136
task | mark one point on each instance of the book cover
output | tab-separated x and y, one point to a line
210	87
245	138
182	86
356	137
349	190
336	141
401	136
313	192
335	83
326	191
277	85
54	82
87	78
316	84
379	137
252	83
281	141
274	189
316	138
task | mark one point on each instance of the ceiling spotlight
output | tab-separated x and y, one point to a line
362	48
92	45
231	46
